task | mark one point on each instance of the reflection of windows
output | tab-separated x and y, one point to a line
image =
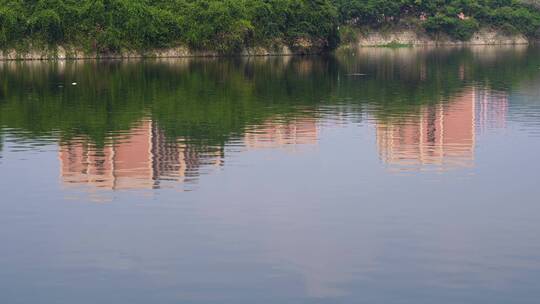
141	159
441	135
431	125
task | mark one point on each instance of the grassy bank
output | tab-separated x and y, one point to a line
229	26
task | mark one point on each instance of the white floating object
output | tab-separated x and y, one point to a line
73	83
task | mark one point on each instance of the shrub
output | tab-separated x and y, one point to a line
454	27
12	26
347	34
46	24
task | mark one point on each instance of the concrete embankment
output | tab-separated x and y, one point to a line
409	37
362	38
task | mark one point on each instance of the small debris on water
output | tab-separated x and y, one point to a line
74	83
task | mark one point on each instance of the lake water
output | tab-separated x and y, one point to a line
372	176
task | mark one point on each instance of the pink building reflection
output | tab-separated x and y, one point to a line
300	131
144	158
444	134
138	160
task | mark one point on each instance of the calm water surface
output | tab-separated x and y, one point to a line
373	176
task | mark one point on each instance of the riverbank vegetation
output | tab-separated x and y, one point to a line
228	26
219	25
459	19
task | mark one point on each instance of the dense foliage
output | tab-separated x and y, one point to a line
221	25
457	18
230	25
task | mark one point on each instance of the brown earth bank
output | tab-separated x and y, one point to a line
362	38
